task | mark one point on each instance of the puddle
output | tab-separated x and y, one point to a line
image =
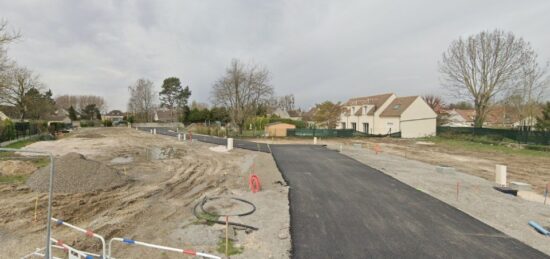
122	160
157	153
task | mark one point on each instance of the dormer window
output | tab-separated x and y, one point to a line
352	109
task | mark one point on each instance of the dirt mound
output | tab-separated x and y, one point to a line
74	173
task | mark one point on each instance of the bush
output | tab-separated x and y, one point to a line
7	130
107	123
538	148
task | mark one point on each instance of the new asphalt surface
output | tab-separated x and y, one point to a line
341	208
237	143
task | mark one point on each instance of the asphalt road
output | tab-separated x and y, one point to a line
237	143
341	208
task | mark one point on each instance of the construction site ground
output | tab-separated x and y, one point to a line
165	179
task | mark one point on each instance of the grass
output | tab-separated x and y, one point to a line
22	143
12	179
207	218
457	143
232	250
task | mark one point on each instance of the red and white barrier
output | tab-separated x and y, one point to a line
88	233
165	248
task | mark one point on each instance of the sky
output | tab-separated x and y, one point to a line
317	50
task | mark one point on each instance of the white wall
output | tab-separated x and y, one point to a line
418	120
418	128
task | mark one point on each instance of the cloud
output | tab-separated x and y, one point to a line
317	50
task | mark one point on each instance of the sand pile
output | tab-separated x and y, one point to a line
16	167
74	173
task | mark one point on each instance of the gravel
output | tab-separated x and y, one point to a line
75	174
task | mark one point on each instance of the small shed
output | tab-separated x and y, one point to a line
278	129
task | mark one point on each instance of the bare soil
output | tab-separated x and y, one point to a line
167	178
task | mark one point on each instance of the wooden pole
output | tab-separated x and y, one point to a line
36	209
227	236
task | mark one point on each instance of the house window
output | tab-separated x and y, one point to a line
353	109
366	128
354	126
343	125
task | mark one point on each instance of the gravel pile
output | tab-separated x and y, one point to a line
74	173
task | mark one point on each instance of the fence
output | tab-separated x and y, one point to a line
320	132
517	135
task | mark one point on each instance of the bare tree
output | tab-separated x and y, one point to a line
85	100
18	81
242	90
435	102
526	98
484	66
142	100
6	37
66	101
286	102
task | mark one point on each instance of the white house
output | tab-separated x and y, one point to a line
3	116
460	118
387	113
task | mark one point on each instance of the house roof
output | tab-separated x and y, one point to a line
376	100
10	111
3	116
467	115
115	113
398	106
359	112
294	113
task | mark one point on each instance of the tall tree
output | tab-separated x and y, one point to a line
328	113
286	102
484	66
6	37
142	100
18	82
241	90
91	112
72	113
173	96
38	105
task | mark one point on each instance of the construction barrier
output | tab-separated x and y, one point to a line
88	233
70	251
165	248
254	183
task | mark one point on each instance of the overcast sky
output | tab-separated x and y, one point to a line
316	50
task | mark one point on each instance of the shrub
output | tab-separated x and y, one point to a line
7	130
107	123
538	148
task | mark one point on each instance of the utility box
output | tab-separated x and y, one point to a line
500	175
229	143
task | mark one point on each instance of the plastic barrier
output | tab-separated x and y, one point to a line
72	252
254	183
88	233
539	228
165	248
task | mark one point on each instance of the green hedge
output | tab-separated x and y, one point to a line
538	148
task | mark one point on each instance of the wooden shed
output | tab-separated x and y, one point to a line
278	129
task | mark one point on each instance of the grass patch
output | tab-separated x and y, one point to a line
232	250
207	218
472	145
22	143
13	179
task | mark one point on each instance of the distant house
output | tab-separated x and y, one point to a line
460	118
281	113
295	115
278	129
9	112
387	113
3	116
114	116
59	116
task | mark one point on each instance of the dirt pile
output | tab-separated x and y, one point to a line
15	167
74	174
